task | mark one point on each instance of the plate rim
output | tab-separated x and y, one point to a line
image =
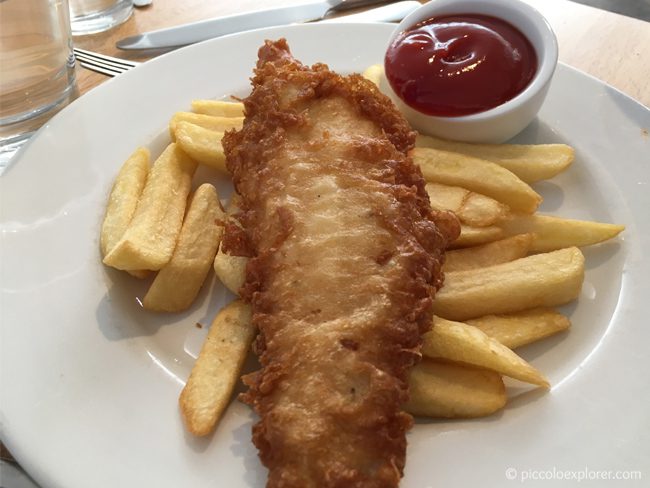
101	90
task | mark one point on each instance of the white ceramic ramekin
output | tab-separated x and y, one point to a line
506	120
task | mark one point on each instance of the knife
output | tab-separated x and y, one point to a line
393	12
191	33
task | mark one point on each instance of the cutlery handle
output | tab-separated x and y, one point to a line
183	35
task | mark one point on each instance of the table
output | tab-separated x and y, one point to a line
609	46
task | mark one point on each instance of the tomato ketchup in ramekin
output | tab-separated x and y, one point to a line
472	70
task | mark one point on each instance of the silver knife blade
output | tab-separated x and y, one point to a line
393	12
186	34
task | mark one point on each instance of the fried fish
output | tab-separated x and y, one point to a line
346	258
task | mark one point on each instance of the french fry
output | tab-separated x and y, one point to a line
530	163
123	199
218	367
149	241
373	73
220	108
178	283
447	390
497	252
473	236
211	122
470	207
541	280
230	270
553	233
202	145
456	341
476	175
521	328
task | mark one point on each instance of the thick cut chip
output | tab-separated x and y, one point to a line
202	145
478	176
211	122
497	252
542	280
521	328
217	369
530	163
123	199
473	236
149	241
448	390
456	341
220	108
374	73
480	210
178	283
230	270
470	207
553	233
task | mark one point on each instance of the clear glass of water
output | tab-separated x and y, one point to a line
92	16
37	76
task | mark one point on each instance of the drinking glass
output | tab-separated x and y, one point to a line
37	75
91	16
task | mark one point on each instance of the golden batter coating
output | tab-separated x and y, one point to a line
346	256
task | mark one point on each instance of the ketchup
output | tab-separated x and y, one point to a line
462	64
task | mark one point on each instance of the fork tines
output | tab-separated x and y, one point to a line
101	63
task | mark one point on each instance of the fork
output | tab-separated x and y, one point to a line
101	63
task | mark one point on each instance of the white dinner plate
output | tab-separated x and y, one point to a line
90	380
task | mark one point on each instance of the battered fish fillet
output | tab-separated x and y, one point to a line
346	258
